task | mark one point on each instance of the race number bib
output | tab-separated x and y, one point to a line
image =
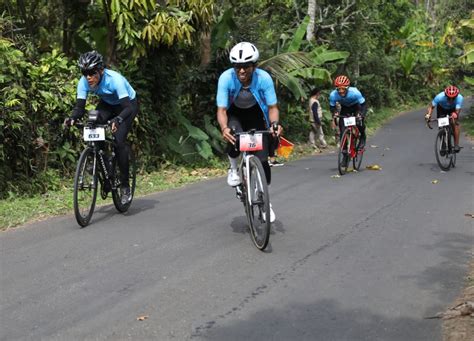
96	134
443	121
349	121
251	142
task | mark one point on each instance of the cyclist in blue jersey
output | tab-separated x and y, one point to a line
351	103
246	99
448	103
118	104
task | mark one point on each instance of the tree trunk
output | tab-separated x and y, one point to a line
312	20
111	57
205	49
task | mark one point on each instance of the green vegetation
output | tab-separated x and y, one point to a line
173	51
467	124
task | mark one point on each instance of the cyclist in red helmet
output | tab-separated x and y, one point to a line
351	103
448	103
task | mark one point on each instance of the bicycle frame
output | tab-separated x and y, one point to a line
244	171
354	134
104	169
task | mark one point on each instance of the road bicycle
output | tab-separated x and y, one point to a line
98	164
253	189
444	143
348	149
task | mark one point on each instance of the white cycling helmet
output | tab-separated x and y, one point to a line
244	53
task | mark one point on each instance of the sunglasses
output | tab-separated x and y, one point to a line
245	66
89	72
342	88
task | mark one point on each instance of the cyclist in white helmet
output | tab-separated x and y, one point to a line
246	99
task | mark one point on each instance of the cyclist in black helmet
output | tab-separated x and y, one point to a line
118	104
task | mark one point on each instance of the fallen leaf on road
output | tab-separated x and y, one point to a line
373	146
374	167
434	181
335	176
469	215
142	318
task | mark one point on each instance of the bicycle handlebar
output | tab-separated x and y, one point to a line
252	132
436	120
92	124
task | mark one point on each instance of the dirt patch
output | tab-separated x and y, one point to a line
458	320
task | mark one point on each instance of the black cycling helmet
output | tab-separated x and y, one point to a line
91	61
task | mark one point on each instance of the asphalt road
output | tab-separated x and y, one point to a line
363	257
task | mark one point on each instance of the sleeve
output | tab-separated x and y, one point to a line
332	101
222	97
459	102
82	88
79	109
269	90
121	88
435	101
360	98
126	106
314	109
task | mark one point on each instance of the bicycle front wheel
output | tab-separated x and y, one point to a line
123	206
85	187
258	204
344	153
442	150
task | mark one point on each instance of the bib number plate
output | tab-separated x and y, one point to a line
349	121
443	121
251	142
97	134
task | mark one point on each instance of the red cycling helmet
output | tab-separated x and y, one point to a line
341	81
451	91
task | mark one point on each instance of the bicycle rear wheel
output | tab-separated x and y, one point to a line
117	184
85	187
442	150
343	156
451	149
258	204
359	154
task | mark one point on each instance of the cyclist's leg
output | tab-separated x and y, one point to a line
106	112
456	132
361	127
263	157
122	149
233	152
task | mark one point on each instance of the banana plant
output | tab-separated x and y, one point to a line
468	56
294	68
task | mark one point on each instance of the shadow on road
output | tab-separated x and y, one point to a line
455	249
322	320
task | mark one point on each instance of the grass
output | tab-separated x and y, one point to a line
467	123
17	210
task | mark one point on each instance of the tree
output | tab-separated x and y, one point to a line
312	20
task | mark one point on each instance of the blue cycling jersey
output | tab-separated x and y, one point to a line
261	87
352	97
442	100
111	88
